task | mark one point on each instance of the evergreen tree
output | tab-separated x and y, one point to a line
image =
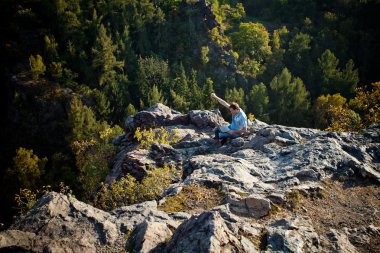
131	110
37	66
195	92
112	80
333	79
236	95
181	85
207	89
152	71
81	121
275	62
155	96
101	104
179	102
51	48
289	100
258	102
104	60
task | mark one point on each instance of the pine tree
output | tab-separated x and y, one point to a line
37	66
289	100
155	96
207	89
258	102
195	91
130	110
152	71
81	121
335	80
179	102
104	59
236	95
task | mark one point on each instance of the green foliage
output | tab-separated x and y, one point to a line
130	110
92	159
128	190
236	95
147	137
207	89
289	100
258	102
335	80
179	102
195	98
204	54
155	96
152	71
27	168
81	121
252	40
101	103
37	66
51	47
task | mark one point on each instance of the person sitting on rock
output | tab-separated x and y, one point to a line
238	125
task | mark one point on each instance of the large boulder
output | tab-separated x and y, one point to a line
60	223
293	234
207	232
156	116
203	118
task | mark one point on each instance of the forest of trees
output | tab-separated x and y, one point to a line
71	71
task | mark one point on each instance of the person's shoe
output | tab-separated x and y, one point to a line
224	140
216	138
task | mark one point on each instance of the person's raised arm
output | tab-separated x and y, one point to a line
221	101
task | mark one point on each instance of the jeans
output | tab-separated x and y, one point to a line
224	135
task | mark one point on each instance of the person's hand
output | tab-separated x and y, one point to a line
213	95
231	132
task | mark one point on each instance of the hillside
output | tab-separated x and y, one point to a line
277	189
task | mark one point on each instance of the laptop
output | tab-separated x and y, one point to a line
224	128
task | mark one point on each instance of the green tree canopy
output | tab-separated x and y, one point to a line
155	96
335	80
236	95
27	168
258	102
289	100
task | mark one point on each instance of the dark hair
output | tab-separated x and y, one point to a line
234	106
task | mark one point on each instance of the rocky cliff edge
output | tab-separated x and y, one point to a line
285	189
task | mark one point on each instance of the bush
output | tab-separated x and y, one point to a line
148	137
27	168
128	191
26	198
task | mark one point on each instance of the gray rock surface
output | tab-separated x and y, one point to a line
254	172
207	232
294	234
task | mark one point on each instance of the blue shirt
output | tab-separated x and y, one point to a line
239	121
